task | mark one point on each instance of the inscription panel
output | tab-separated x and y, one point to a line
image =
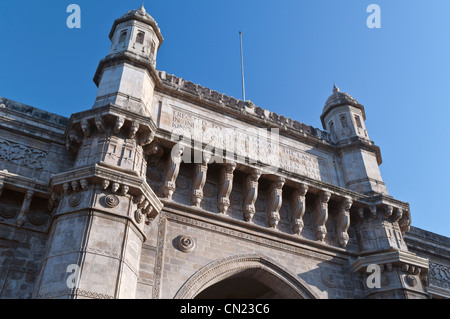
256	145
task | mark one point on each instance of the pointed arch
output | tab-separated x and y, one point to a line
289	284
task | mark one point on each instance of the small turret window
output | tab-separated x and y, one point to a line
358	121
123	36
331	125
344	121
140	37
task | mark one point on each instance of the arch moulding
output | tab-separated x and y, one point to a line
224	268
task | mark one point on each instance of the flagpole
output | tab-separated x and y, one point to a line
242	67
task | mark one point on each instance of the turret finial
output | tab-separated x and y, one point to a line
335	89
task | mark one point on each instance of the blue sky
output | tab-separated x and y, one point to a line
294	52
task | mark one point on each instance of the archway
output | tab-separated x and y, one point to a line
245	277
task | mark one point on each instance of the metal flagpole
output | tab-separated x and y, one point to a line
242	68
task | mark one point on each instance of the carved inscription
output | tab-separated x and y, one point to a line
257	144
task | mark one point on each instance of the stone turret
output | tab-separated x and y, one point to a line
104	200
344	118
126	77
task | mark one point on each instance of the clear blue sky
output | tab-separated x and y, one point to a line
294	51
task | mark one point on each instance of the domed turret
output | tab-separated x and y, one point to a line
343	117
125	78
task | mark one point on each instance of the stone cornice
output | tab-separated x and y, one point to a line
394	257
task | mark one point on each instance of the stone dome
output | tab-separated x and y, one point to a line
339	98
140	15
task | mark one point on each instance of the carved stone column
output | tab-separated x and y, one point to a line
173	168
298	208
321	215
275	201
251	194
199	180
343	221
225	187
25	207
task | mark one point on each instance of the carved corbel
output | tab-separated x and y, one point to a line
173	168
251	194
99	124
388	212
275	202
53	202
25	207
84	184
115	187
321	215
147	139
298	208
66	187
405	223
125	190
105	184
119	124
398	215
85	127
199	180
373	211
133	130
343	221
75	186
225	187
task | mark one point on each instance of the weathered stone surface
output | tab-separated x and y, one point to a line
167	189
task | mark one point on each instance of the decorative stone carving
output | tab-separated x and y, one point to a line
398	214
388	211
112	201
133	130
186	244
75	200
22	155
321	215
66	187
275	200
76	186
298	208
85	127
105	184
100	125
343	221
225	187
251	194
125	190
38	219
25	207
53	201
199	180
411	280
7	213
115	187
84	184
172	171
119	124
